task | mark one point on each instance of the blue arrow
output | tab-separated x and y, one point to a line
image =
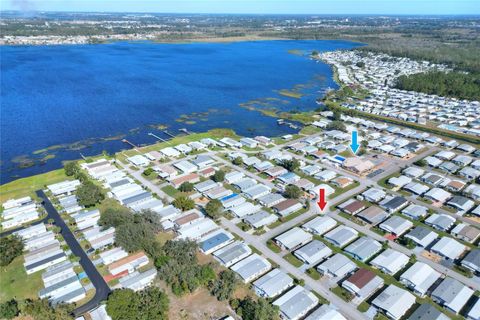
354	145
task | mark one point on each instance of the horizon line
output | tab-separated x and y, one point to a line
251	13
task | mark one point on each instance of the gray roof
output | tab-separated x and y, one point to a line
69	296
341	235
273	282
138	197
473	257
419	232
44	261
57	268
452	293
364	248
257	217
312	248
251	266
295	302
47	290
427	312
119	183
231	252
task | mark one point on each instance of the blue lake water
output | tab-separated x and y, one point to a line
74	99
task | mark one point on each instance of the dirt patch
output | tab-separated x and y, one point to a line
199	305
431	256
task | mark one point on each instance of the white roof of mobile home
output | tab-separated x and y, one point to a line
293	238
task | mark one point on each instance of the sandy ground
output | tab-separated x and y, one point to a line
199	305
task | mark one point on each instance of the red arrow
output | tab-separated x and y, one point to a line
322	203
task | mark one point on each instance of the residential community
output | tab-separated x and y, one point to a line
399	234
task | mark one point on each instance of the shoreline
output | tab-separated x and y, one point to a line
94	41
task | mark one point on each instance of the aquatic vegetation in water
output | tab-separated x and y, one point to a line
296	52
290	93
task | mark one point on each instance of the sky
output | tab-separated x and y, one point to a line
391	7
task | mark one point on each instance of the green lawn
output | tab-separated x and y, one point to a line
28	186
342	293
15	283
170	190
314	274
294	261
272	246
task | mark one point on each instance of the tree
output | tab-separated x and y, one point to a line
186	187
152	219
219	176
238	161
9	309
134	237
290	165
249	309
336	125
183	203
41	309
114	217
71	168
178	267
337	115
126	304
213	209
360	64
10	248
89	194
293	192
225	285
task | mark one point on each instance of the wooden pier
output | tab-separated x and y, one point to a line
128	142
168	134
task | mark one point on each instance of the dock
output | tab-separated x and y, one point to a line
184	130
168	134
130	143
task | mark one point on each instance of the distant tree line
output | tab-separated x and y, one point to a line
449	84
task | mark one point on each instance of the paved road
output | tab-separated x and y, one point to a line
137	174
348	309
101	287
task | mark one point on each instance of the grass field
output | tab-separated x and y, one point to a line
27	186
15	283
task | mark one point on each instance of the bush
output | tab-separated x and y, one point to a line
238	161
225	285
10	248
147	172
213	209
9	309
249	309
41	309
186	187
219	176
293	192
290	165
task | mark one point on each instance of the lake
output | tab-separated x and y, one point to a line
58	102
